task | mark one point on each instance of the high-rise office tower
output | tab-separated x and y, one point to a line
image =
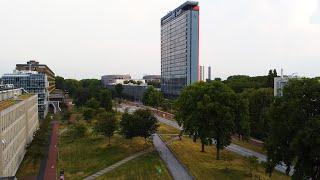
180	48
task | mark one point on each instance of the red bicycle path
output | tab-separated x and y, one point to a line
51	164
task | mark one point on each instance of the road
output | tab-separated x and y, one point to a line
176	169
232	147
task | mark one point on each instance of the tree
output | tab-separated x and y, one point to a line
242	124
206	111
88	113
147	121
77	131
307	146
118	90
105	98
152	97
141	123
60	83
93	103
106	125
294	133
270	78
259	102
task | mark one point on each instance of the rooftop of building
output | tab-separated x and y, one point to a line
116	75
10	102
35	63
182	6
151	76
20	73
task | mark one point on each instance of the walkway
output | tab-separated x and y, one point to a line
119	163
50	170
177	170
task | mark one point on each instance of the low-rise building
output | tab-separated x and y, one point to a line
152	78
111	79
33	65
18	122
132	91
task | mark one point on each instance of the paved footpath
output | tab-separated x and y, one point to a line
177	170
119	163
51	165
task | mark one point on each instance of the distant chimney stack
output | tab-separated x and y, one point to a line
209	73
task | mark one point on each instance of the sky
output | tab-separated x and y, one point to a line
89	38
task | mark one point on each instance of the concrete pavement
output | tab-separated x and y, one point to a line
177	170
119	163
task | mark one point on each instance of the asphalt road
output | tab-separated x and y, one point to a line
232	147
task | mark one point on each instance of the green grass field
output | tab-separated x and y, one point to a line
165	129
146	167
205	166
90	154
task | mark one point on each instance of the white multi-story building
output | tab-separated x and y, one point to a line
281	82
18	122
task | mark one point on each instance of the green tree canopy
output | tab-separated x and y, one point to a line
105	98
206	111
259	102
118	90
152	97
106	124
141	123
93	103
294	134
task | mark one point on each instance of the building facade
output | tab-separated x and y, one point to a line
180	48
33	65
280	83
32	82
152	78
112	79
131	91
18	122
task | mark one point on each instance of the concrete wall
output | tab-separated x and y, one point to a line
17	126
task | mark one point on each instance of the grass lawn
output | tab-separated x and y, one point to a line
146	167
90	154
165	129
167	137
205	165
28	168
247	145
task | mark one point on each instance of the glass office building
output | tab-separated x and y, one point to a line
180	48
32	82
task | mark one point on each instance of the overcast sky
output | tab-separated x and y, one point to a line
89	38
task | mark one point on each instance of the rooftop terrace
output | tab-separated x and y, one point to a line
10	102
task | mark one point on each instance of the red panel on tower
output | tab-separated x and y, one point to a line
196	8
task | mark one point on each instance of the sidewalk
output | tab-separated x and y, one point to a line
117	164
177	170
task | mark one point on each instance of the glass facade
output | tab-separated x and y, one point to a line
179	48
32	83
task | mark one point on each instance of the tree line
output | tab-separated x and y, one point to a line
212	112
